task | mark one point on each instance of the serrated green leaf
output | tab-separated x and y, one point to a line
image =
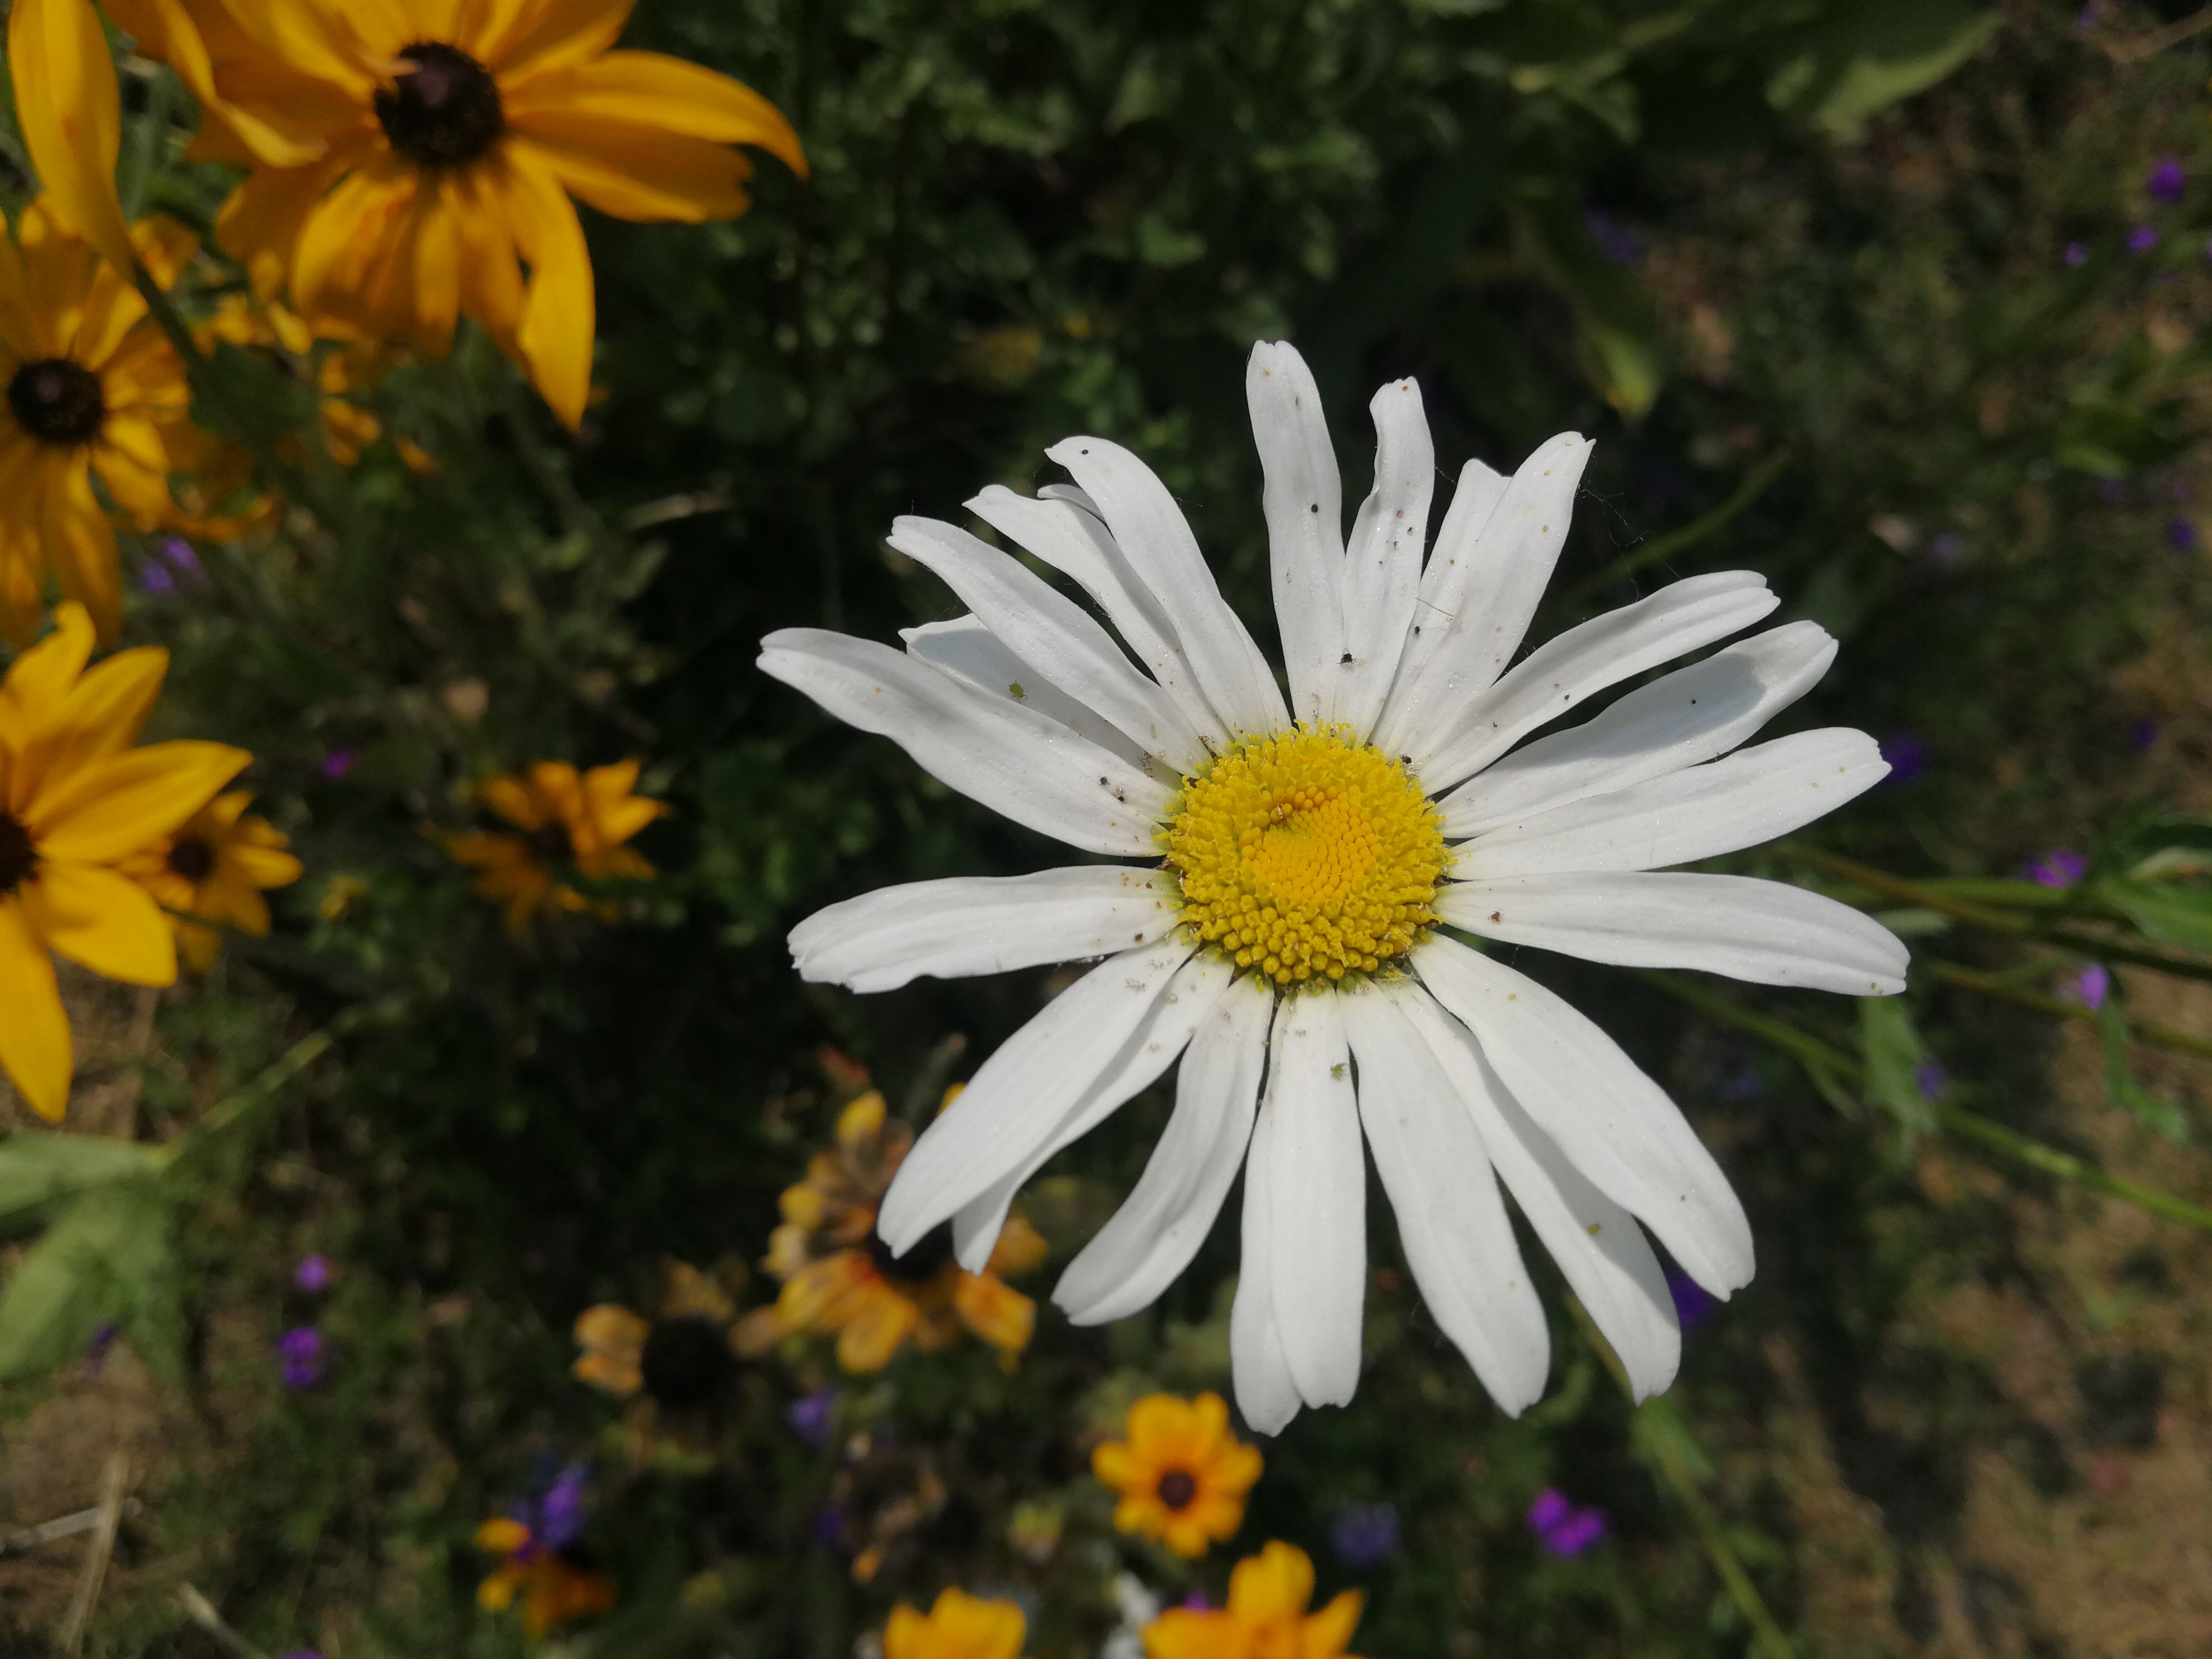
38	1168
110	1254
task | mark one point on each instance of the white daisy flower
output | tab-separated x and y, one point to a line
1296	864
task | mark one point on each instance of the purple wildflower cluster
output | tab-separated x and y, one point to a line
1365	1534
2057	869
1565	1529
172	562
811	1415
300	1357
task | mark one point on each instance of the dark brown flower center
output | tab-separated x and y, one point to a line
442	109
549	843
919	1264
192	859
18	855
1177	1489
58	401
686	1362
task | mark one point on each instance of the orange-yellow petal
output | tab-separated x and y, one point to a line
1002	1316
537	36
560	308
102	920
110	811
34	1037
71	114
1328	1632
881	1320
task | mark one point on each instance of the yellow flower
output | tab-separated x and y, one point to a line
216	866
960	1626
93	387
1181	1475
554	1589
565	822
839	1277
411	157
77	801
680	1356
1266	1618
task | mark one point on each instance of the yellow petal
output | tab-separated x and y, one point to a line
501	1537
635	172
43	675
537	36
35	1038
646	88
108	812
1003	1317
71	117
259	225
437	267
881	1322
558	314
166	33
346	235
103	921
1276	1584
1187	1633
1328	1632
80	541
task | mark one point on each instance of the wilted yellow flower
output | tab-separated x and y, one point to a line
78	801
554	1589
215	867
92	386
840	1278
563	821
1181	1473
960	1626
1266	1618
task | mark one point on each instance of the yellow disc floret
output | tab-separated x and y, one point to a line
1306	856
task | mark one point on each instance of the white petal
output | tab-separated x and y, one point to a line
1162	1036
1259	1371
1451	1220
1597	1244
1317	1177
1065	531
964	648
1013	760
1022	1093
1563	672
1150	530
982	924
1151	1238
1303	500
1679	719
1766	932
1700	812
1382	565
1614	1124
1054	635
1490	566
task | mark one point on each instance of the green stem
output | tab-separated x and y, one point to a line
272	1081
1811	1051
1989	985
1993	921
1766	1635
1754	485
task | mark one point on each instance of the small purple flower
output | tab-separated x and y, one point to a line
303	1653
1931	1078
2167	181
1694	1306
2093	985
313	1273
1565	1529
1743	1083
561	1511
1617	243
829	1528
1907	756
2182	533
1197	1601
2142	735
810	1414
2077	253
300	1351
2059	869
1365	1534
95	1352
338	763
2143	239
1947	548
157	580
2086	19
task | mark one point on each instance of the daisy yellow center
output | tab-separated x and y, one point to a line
58	401
1306	856
442	108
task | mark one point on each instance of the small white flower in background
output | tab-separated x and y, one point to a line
1297	862
1138	1607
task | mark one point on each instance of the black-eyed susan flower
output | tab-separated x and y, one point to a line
411	159
1266	1618
93	390
839	1280
674	1364
1181	1475
76	802
1293	867
563	824
214	869
959	1626
542	1560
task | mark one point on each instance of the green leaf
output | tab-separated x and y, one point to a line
39	1167
2177	915
2122	1089
1619	344
110	1254
1864	56
1890	1046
